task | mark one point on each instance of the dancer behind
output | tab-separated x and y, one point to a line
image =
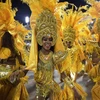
12	58
72	24
94	73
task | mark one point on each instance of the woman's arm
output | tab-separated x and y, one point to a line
69	82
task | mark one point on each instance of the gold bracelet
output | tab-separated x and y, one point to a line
69	82
71	85
22	74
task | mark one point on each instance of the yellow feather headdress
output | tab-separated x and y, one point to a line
6	16
84	36
94	10
8	23
73	22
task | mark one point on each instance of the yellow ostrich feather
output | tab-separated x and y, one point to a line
58	12
90	1
50	4
75	19
96	27
8	23
6	15
94	10
37	6
84	35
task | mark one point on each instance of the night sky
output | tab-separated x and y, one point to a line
24	10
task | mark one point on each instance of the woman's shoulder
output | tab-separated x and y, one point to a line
59	56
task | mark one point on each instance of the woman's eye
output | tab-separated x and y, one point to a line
47	39
50	39
44	39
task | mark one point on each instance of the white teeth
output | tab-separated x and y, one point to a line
47	44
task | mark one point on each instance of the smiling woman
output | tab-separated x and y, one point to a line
44	26
47	42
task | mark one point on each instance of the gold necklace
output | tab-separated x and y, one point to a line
44	57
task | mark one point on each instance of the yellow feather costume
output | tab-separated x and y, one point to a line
95	75
94	12
73	22
8	90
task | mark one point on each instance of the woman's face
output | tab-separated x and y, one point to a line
47	42
68	44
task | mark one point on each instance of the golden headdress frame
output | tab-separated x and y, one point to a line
46	26
69	34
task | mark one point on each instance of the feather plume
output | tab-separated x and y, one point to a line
94	10
75	19
37	6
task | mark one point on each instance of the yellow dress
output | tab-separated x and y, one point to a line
95	75
44	75
8	90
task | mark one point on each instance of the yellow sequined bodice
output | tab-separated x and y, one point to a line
45	68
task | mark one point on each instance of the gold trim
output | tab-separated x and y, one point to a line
46	25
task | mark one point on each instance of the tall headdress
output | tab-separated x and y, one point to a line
73	21
8	23
46	25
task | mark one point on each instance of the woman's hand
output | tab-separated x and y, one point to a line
14	76
76	94
61	84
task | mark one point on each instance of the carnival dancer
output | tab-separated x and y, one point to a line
12	58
